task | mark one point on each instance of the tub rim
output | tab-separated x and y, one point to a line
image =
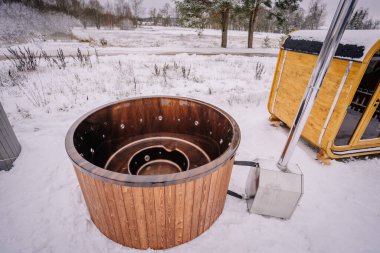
157	180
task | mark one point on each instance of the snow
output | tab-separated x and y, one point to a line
19	23
42	209
157	36
365	38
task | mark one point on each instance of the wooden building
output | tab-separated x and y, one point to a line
345	120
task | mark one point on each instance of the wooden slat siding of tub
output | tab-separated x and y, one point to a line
131	214
226	182
86	190
82	185
155	217
170	215
97	206
187	215
117	192
150	213
111	201
210	201
138	200
205	194
198	185
222	190
179	212
92	208
104	206
217	193
159	201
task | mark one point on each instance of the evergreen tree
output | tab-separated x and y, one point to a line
283	12
360	21
198	13
251	9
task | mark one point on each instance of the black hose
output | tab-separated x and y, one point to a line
247	163
234	194
242	163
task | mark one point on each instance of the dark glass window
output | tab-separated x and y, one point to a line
359	104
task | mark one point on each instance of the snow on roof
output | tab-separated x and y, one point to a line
354	45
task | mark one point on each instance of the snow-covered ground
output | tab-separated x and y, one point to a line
26	27
178	37
146	40
42	208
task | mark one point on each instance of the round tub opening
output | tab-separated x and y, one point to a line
155	136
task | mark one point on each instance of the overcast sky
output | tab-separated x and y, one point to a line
372	5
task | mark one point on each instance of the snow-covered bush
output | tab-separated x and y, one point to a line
103	42
259	70
266	42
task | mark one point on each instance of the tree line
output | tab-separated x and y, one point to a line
91	12
281	16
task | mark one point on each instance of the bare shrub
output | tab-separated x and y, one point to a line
47	59
84	60
165	71
23	59
175	65
61	59
156	70
25	113
185	72
103	42
259	70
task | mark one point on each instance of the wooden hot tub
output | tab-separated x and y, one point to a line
154	171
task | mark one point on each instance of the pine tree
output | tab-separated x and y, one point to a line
250	8
360	21
198	13
283	12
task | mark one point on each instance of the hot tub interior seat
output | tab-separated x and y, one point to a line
153	136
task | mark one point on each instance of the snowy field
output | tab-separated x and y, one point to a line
42	208
145	39
156	36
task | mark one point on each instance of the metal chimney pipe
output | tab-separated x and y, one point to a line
338	25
